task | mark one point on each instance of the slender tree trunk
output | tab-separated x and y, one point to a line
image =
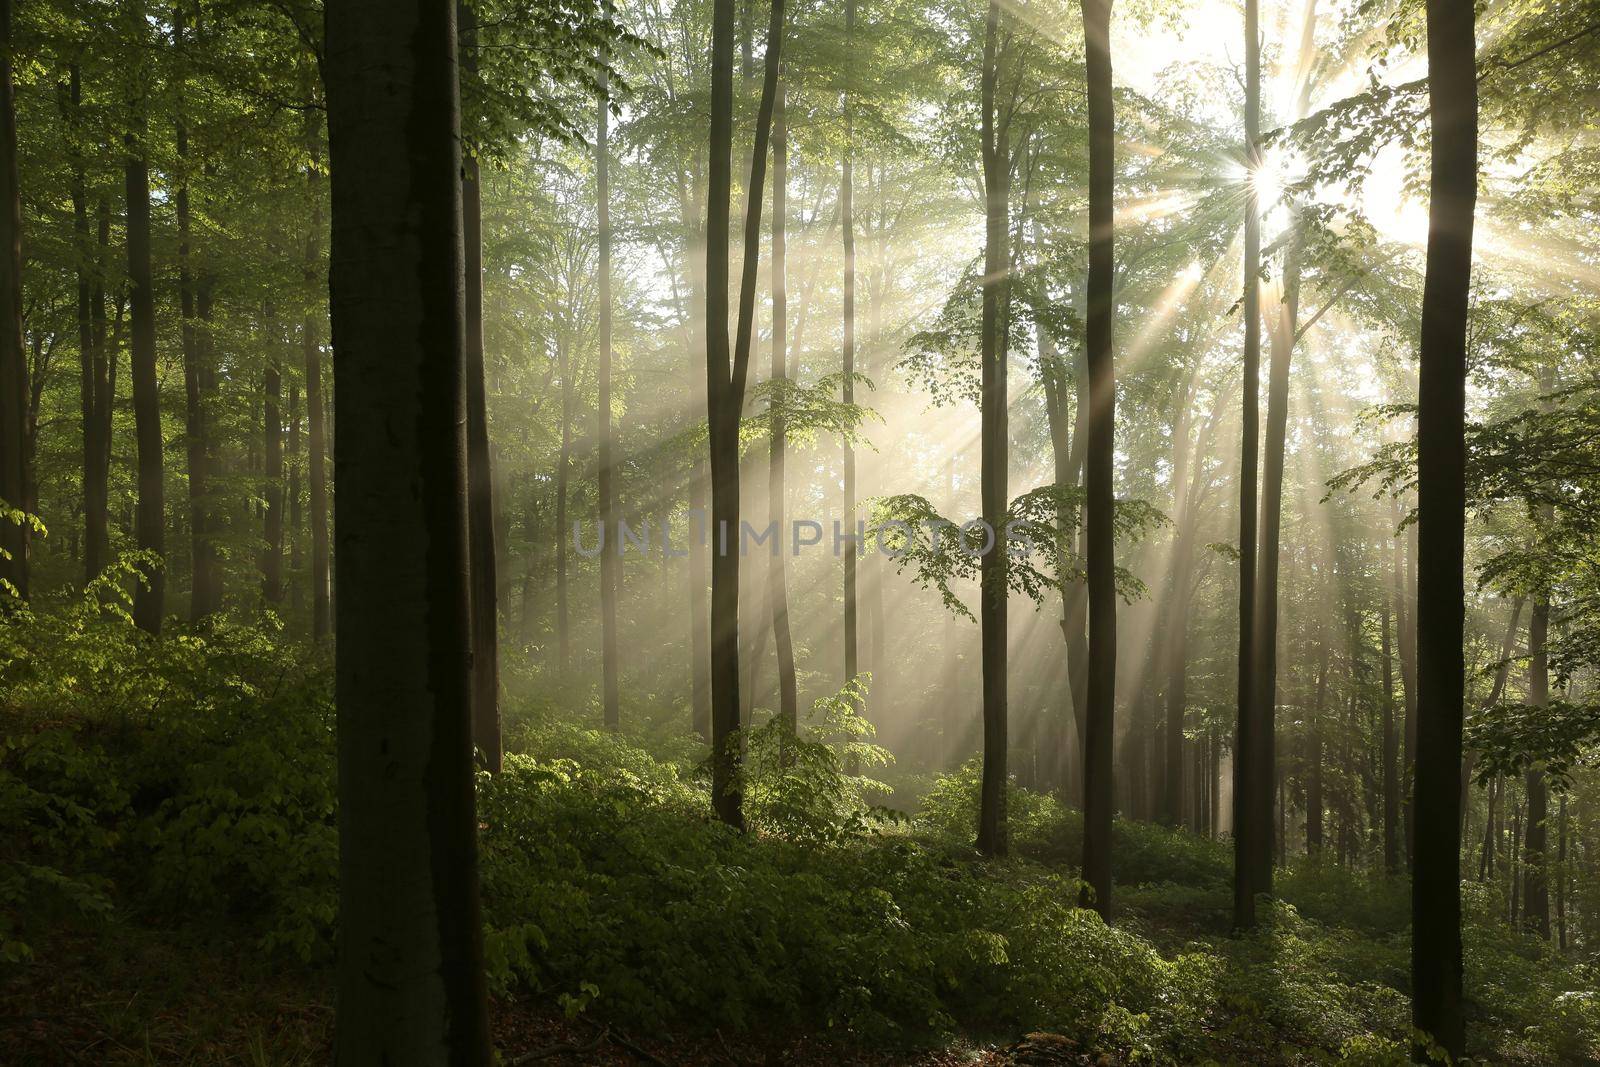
410	978
1099	501
1314	802
1405	633
1249	763
1561	875
311	346
1536	895
777	577
481	550
1176	649
272	475
610	562
852	663
1436	963
150	598
202	596
14	536
92	399
292	489
993	462
564	363
1391	758
726	374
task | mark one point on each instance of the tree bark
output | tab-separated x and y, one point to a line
777	571
14	536
149	601
316	432
1436	963
609	561
1250	834
993	435
1536	885
1099	501
1391	758
410	978
852	650
481	552
726	374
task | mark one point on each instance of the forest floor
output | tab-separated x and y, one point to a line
146	995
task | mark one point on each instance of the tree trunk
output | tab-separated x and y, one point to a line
777	576
1405	633
1391	758
1314	803
609	561
852	663
564	363
272	474
726	375
1250	835
14	535
1099	501
1536	894
93	399
993	461
480	474
1436	963
150	598
316	432
410	978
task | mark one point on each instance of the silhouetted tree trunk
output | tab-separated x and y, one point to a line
609	561
316	432
777	577
93	400
1536	893
203	598
1250	765
1405	632
150	598
1441	483
14	536
410	977
847	223
726	375
1101	547
1264	700
993	435
480	474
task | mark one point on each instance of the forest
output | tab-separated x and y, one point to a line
735	532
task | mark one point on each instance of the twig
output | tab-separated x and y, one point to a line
561	1048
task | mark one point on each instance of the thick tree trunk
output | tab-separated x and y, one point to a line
481	552
14	536
777	571
993	462
1099	501
1250	836
1536	893
149	602
1436	963
609	561
410	978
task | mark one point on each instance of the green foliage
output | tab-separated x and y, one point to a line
1510	738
